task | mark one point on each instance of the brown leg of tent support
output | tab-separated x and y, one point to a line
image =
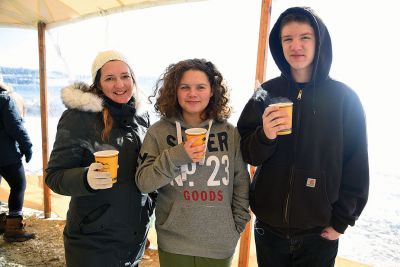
262	55
43	112
245	239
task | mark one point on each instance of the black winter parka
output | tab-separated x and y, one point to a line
104	227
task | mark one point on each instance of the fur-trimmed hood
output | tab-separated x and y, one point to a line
78	96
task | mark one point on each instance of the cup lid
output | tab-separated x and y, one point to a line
281	104
106	153
195	131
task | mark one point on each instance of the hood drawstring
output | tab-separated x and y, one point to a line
185	168
317	53
210	122
313	100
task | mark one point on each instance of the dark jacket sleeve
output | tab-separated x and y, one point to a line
256	147
13	125
66	170
353	194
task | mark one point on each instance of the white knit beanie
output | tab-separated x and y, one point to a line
105	56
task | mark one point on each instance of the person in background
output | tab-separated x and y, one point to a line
107	223
19	101
310	185
203	203
15	143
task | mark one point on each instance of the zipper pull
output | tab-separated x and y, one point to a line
299	94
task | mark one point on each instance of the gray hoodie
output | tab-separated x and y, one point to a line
201	208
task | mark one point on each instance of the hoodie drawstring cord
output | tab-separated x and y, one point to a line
185	168
317	53
210	122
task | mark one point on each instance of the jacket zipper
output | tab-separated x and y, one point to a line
299	95
291	177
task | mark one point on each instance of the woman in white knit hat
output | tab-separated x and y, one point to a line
107	222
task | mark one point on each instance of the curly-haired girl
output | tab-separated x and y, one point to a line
203	202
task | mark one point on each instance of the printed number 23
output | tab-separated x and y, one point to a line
212	180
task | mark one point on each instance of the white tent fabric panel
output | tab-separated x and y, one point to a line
27	13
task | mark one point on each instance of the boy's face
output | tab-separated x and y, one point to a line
298	44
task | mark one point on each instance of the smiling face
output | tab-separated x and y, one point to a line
194	93
298	44
116	81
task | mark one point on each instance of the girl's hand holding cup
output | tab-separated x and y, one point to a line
196	153
195	145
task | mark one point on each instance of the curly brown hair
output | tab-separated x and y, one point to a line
165	90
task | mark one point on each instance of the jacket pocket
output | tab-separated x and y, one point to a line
207	226
310	206
96	220
268	191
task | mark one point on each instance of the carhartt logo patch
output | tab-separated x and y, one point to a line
311	182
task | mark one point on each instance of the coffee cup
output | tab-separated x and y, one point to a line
109	159
199	133
288	107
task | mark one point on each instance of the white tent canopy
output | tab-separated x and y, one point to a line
27	13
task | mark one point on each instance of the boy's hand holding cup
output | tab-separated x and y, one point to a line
277	118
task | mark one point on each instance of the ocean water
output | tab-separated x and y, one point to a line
374	240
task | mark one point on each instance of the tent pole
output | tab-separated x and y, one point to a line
262	54
43	114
